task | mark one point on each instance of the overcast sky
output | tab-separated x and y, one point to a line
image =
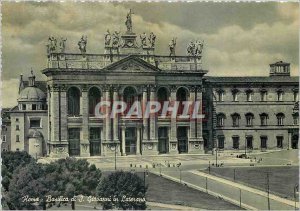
241	39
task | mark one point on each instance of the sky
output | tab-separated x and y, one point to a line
240	39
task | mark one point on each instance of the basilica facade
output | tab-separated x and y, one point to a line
236	113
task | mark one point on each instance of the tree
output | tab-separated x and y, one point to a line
27	182
125	189
10	162
66	177
71	177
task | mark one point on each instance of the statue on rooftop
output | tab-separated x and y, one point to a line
172	46
195	48
82	44
62	44
52	45
199	48
144	39
128	21
116	39
151	39
191	49
107	38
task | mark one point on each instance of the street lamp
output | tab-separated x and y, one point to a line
146	173
115	149
245	146
216	157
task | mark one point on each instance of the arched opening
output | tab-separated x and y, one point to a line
280	118
295	139
94	99
181	96
235	120
130	96
220	119
73	101
249	119
162	96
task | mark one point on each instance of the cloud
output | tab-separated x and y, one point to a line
9	93
231	47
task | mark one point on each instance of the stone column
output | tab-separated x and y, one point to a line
193	129
84	142
138	141
145	120
103	129
197	143
173	143
58	118
123	128
116	117
107	112
150	147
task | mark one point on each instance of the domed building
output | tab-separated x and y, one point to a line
29	119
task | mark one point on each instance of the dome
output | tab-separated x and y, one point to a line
32	94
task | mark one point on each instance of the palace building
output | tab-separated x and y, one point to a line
58	118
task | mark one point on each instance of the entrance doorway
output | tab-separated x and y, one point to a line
295	141
163	140
130	141
182	138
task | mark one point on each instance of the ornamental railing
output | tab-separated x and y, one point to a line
100	61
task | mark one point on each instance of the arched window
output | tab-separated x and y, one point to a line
263	95
235	119
280	117
220	96
263	119
94	99
162	96
130	96
181	96
249	94
235	94
249	119
220	119
296	118
280	95
73	101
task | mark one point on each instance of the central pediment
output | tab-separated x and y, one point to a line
132	64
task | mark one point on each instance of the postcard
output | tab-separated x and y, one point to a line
150	105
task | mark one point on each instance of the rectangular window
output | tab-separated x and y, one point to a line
17	127
236	142
3	138
23	107
35	123
249	142
74	141
279	141
33	107
94	133
249	121
263	142
17	138
17	119
221	142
